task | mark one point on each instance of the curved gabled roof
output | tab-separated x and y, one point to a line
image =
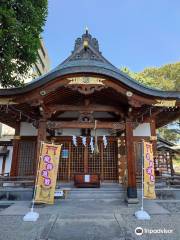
86	58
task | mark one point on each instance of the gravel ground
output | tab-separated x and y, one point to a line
13	228
173	207
168	222
90	220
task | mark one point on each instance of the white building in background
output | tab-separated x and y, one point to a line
41	67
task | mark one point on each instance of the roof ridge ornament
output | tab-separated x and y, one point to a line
86	41
86	37
86	30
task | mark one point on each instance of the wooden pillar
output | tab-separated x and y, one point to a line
15	142
3	165
41	137
153	134
171	163
131	188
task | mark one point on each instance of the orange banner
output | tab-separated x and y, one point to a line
47	173
149	177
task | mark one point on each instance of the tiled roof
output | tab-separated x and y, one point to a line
87	58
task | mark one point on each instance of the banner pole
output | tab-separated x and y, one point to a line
33	216
35	187
141	214
142	176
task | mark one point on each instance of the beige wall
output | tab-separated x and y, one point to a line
142	130
6	130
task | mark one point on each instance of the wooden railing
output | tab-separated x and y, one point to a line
170	181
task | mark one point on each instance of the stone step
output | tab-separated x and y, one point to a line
119	199
102	188
96	191
107	191
93	194
96	198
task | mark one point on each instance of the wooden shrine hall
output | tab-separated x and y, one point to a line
87	98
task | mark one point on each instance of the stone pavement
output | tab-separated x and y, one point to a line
91	219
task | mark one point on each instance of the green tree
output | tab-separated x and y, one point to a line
166	77
169	134
21	22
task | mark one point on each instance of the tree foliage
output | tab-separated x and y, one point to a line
21	22
169	134
166	77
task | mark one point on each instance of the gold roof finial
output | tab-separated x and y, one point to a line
85	42
86	30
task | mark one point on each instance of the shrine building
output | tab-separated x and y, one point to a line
88	100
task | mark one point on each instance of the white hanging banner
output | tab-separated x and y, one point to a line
84	141
74	139
92	145
105	141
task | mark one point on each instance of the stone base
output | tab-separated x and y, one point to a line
142	215
132	200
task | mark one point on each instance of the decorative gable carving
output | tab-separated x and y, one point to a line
86	48
85	54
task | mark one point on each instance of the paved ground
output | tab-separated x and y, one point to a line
89	220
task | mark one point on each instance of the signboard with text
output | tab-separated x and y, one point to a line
149	177
47	173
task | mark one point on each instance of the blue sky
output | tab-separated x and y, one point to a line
132	33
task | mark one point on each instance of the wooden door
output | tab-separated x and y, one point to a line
104	163
94	161
64	161
77	160
26	163
80	159
72	162
109	157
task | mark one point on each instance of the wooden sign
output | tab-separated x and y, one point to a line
165	103
58	193
86	178
153	138
86	80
